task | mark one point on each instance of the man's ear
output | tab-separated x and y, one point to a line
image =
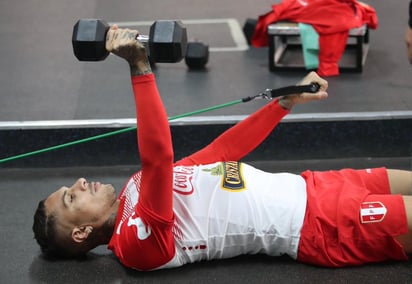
80	234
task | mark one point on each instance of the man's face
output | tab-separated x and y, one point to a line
82	204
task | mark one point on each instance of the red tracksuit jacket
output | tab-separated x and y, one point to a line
332	20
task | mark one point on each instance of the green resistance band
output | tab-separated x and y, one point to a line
104	135
267	94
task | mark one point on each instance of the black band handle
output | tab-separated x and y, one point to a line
290	90
311	88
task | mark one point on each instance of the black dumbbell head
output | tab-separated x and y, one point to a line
167	41
197	55
89	39
249	29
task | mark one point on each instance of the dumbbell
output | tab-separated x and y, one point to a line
249	29
165	43
197	55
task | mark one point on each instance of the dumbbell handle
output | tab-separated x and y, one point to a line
143	38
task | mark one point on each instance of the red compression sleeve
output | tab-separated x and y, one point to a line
241	139
155	148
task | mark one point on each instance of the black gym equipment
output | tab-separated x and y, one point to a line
166	42
249	29
197	55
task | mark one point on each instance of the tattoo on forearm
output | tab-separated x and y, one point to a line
127	36
141	70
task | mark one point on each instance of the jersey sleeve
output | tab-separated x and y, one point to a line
155	148
241	139
145	243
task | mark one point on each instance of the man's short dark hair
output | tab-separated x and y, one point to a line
44	228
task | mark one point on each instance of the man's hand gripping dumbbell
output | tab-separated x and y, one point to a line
166	42
124	43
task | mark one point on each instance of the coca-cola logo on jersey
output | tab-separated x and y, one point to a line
182	180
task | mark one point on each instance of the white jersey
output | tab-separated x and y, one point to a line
227	209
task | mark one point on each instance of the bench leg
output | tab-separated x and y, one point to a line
366	36
359	54
272	49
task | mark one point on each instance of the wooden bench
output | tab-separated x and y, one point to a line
284	37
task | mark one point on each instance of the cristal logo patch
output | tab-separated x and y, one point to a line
232	176
372	212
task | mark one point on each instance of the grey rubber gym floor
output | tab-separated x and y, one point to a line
41	80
